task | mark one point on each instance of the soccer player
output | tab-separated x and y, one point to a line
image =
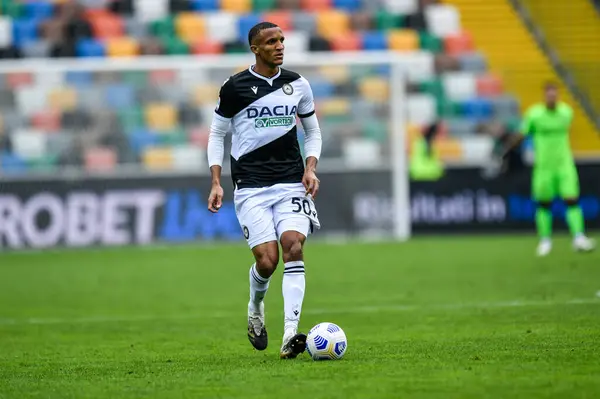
273	188
554	171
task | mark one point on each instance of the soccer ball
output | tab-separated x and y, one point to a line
326	341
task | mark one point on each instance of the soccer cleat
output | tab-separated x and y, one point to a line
293	344
544	248
257	332
583	244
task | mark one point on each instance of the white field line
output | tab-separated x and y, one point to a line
309	311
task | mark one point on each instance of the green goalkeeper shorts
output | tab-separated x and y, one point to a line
548	184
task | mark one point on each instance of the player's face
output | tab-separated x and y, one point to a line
551	96
269	46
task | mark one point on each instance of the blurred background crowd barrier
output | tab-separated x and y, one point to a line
104	99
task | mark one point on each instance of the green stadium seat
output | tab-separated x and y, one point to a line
131	118
175	46
385	20
263	5
429	42
163	27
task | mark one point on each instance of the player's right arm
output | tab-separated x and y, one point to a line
525	130
216	143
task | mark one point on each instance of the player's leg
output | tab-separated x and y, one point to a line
569	191
256	218
543	188
291	215
293	286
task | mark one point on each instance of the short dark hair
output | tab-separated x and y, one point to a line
256	29
550	84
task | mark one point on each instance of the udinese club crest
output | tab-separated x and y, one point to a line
287	89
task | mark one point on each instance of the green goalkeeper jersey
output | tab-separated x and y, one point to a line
549	130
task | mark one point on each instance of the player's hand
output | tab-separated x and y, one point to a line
215	199
311	183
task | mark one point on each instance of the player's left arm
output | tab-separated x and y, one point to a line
312	139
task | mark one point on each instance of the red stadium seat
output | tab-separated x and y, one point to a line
47	121
106	26
283	19
207	46
316	5
100	159
346	42
489	85
458	43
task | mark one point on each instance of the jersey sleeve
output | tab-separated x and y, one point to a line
527	124
306	106
226	102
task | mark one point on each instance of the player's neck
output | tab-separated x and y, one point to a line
265	70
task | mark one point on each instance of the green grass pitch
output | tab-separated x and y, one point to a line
468	317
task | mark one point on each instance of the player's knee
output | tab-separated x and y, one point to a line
292	246
545	204
266	261
572	201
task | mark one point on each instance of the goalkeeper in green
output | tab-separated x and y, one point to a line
554	170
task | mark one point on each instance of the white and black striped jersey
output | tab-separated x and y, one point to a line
262	112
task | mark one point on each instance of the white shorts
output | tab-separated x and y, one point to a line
265	213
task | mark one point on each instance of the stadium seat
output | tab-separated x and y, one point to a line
458	43
505	107
429	42
403	7
205	94
374	89
245	23
316	5
460	127
24	30
6	32
476	148
30	99
199	137
348	5
19	79
189	26
236	6
304	21
385	20
135	28
472	62
62	99
332	23
449	149
350	41
122	47
120	96
322	89
420	66
175	46
38	9
204	5
281	18
12	163
459	86
131	119
376	40
150	10
160	117
107	26
335	74
421	109
489	85
46	121
164	27
207	46
222	26
477	108
333	106
361	152
189	157
403	40
100	159
156	158
29	143
263	5
296	42
90	48
36	49
140	139
442	20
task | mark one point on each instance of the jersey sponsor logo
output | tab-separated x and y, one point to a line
278	116
276	121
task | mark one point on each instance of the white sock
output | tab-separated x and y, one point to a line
293	293
258	289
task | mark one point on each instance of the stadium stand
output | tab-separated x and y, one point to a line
100	120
